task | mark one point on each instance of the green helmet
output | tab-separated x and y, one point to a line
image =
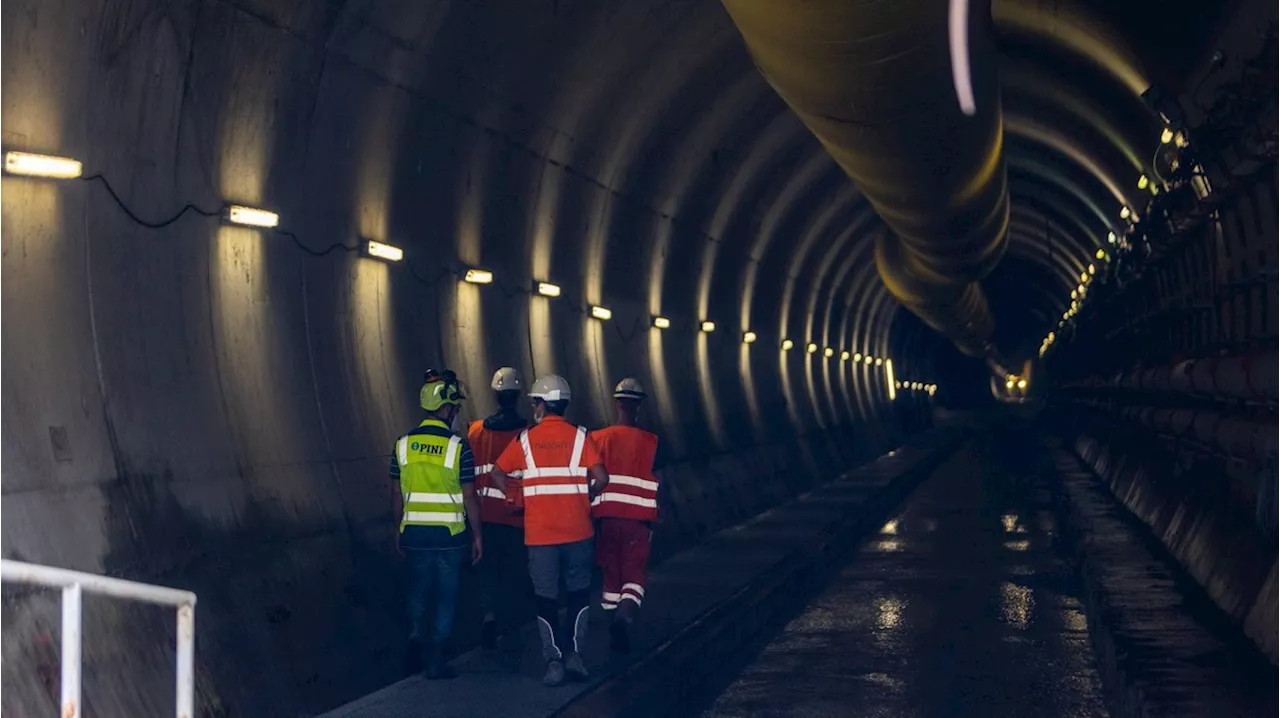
440	388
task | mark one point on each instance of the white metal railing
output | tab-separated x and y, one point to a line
73	585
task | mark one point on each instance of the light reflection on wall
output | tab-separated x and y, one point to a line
749	385
662	391
249	350
373	341
370	302
658	376
714	421
542	227
706	382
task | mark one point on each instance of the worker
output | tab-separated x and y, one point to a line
503	525
561	470
435	501
626	513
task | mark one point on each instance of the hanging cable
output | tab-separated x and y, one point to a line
145	223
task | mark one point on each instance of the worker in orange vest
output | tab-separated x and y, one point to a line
626	512
505	554
560	469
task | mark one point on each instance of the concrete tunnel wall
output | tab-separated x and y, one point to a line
212	408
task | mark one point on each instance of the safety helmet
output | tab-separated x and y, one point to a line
440	388
628	389
550	387
505	379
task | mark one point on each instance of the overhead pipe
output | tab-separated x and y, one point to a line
873	81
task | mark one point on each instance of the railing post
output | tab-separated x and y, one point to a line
71	651
186	660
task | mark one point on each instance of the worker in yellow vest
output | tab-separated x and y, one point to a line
435	501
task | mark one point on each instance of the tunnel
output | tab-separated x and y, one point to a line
931	281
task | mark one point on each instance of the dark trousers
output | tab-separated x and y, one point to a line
504	575
433	574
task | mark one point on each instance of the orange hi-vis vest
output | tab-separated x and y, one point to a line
486	446
552	458
632	492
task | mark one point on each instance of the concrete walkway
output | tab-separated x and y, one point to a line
682	590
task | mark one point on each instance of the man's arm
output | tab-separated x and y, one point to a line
498	478
598	479
397	502
472	502
467	478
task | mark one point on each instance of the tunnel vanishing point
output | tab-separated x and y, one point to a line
236	232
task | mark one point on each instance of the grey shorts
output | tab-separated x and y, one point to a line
574	561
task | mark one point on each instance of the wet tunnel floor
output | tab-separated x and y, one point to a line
960	606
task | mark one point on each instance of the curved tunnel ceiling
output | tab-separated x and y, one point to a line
629	152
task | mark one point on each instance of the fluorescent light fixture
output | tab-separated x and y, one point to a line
1166	136
601	313
857	357
661	323
547	289
708	326
787	344
828	352
844	355
478	276
811	348
1143	181
879	361
250	217
748	337
25	163
892	383
1125	212
378	250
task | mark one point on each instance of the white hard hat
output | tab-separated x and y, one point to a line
550	387
505	379
628	389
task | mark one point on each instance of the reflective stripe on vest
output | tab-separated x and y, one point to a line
551	480
632	492
430	468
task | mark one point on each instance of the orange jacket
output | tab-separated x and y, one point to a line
552	459
486	446
633	487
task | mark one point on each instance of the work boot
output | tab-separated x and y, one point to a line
554	675
438	667
620	637
413	657
576	668
489	634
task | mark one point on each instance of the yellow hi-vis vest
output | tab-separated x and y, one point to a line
429	480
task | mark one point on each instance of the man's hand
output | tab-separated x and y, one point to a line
477	550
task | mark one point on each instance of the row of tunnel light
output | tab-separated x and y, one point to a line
48	166
1078	295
